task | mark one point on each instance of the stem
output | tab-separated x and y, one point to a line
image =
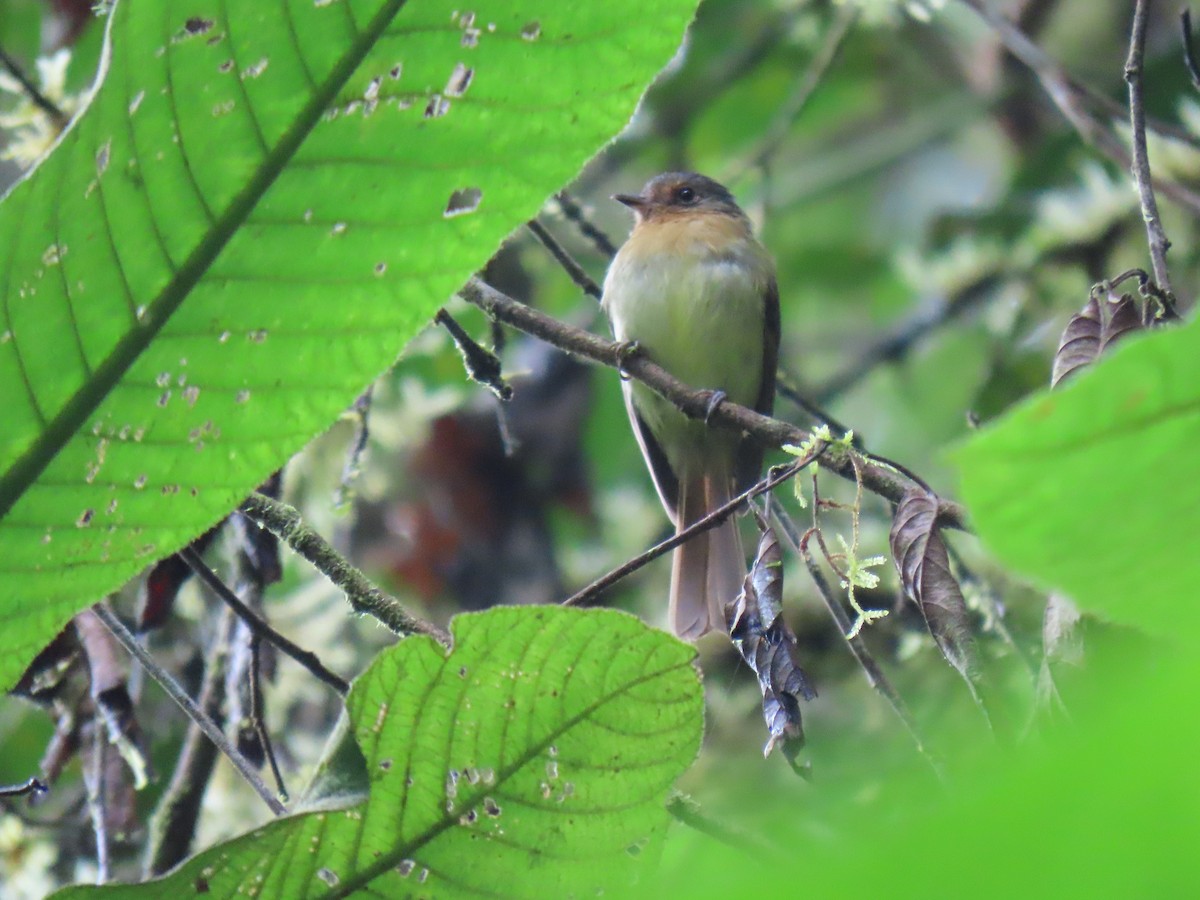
590	594
1140	167
259	628
194	712
565	259
884	480
366	598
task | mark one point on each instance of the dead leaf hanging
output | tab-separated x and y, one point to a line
924	567
768	645
1079	344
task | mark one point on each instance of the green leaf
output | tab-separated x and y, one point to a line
1099	809
261	205
532	761
1095	488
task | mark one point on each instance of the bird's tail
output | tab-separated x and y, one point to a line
709	569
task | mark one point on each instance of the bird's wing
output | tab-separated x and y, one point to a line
748	468
665	480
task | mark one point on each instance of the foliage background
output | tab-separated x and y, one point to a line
928	189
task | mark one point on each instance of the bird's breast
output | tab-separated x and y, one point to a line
691	293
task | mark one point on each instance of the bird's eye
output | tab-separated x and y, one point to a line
685	195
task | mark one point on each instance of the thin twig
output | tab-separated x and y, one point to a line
96	789
785	388
1189	50
866	661
173	825
40	100
900	341
777	131
1071	98
575	214
1155	234
482	365
286	522
257	716
30	788
687	811
884	480
260	628
565	259
591	594
188	705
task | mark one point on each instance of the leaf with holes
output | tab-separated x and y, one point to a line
532	761
261	204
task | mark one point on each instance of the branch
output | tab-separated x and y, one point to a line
786	388
259	628
688	812
40	100
878	477
30	788
173	826
366	598
570	266
1071	98
482	365
899	342
1141	159
194	712
590	594
1189	50
575	214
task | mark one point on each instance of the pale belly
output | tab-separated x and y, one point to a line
701	318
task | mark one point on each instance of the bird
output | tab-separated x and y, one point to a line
694	290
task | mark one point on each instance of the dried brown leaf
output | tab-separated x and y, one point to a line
924	566
1080	342
1124	318
769	647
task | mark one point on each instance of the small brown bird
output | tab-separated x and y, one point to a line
696	291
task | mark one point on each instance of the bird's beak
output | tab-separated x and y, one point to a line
631	200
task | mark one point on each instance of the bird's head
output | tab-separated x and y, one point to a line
680	194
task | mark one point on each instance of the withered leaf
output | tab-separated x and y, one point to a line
1080	342
924	566
1124	318
768	646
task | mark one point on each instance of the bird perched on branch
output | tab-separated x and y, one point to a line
696	292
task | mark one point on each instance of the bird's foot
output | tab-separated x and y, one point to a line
715	398
626	350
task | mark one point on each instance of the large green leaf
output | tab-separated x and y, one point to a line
262	203
1095	488
1104	808
532	761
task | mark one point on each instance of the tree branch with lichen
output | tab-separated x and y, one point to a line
878	476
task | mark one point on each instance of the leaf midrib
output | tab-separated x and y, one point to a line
392	858
75	412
